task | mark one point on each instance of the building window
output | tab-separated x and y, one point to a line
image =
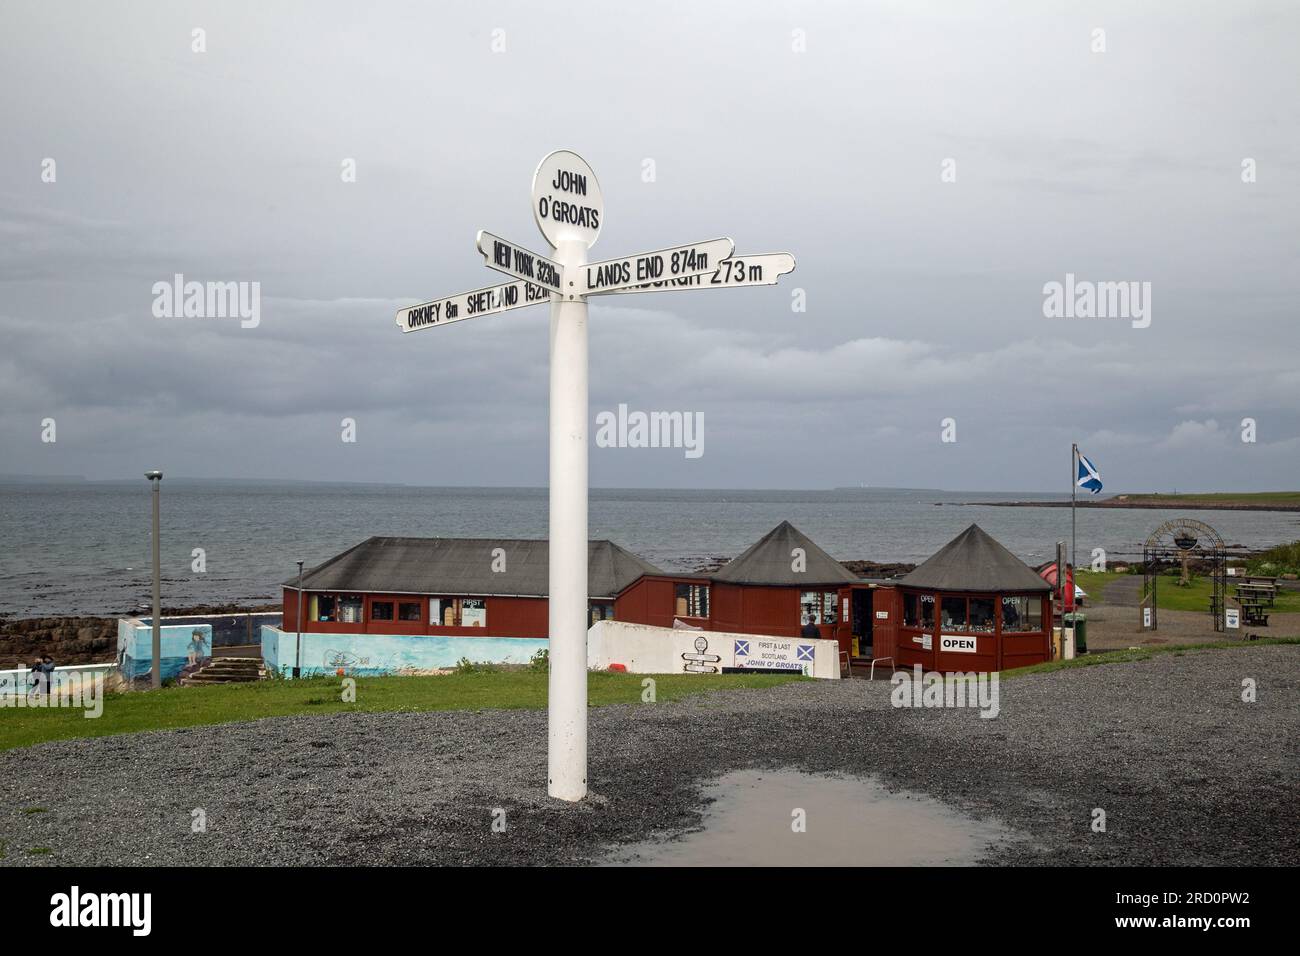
381	610
1022	612
954	614
692	600
442	612
918	611
408	611
818	607
473	612
458	612
981	615
338	608
599	612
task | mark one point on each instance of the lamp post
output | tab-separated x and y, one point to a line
155	480
297	658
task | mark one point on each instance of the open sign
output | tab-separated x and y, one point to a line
957	643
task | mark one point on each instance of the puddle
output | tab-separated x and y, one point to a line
849	822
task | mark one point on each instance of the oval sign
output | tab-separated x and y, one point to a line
567	202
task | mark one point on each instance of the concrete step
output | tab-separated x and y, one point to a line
227	670
212	679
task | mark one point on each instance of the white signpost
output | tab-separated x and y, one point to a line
616	275
730	273
519	262
469	305
570	208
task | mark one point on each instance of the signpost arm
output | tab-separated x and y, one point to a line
567	699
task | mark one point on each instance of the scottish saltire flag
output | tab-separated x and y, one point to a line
1089	479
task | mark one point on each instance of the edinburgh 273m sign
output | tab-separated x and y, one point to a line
570	209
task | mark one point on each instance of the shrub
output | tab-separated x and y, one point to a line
467	666
541	661
1283	559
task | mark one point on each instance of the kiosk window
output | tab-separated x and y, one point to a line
818	607
918	610
981	614
954	614
692	600
1022	612
340	608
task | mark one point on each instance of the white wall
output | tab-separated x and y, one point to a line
643	649
18	683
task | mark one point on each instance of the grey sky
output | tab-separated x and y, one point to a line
924	298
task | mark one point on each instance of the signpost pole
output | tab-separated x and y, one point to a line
567	699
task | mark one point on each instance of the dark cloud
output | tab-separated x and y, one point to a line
924	298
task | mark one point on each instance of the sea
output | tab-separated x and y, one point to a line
82	548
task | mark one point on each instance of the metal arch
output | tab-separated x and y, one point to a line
1162	545
1174	524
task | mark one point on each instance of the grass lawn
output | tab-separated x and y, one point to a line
173	707
1141	654
1196	596
1171	597
1094	584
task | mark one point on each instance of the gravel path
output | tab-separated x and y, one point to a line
1186	772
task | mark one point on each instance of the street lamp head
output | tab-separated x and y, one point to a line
153	475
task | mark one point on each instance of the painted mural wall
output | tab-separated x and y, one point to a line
369	655
184	648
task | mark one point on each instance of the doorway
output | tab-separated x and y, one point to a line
863	619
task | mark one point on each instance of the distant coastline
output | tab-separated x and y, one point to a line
1224	501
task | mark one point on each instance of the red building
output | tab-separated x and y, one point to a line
972	606
448	587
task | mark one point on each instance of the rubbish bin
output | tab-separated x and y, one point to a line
1079	621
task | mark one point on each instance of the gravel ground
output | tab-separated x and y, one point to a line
1186	772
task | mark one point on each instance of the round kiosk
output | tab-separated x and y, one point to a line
974	606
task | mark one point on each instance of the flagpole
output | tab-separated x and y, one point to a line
1074	488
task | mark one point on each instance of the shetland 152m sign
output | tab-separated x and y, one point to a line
570	209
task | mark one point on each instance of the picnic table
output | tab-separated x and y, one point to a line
1264	589
1253	615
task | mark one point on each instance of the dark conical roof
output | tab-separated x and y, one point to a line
974	561
770	561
